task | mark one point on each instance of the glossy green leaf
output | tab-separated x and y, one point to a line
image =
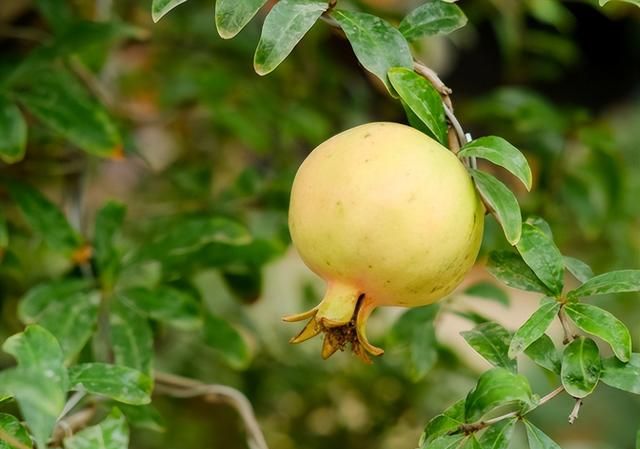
143	417
422	98
233	15
111	433
602	324
72	321
581	367
107	224
509	268
502	153
495	388
491	341
544	353
445	442
413	336
613	282
534	327
161	7
433	18
537	438
59	101
226	341
446	422
45	218
38	298
543	257
287	23
633	2
13	132
10	425
580	270
131	338
164	304
377	45
503	203
624	376
499	435
39	382
488	290
117	382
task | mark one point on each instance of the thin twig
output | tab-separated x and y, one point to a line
68	426
474	427
183	387
569	335
71	403
576	410
13	441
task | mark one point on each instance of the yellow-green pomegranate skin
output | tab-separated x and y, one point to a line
384	211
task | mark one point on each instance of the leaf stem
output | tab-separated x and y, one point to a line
183	387
576	410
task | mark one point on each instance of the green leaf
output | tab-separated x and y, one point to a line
509	268
13	132
433	18
36	349
502	153
448	421
39	398
45	218
58	13
164	304
287	23
488	290
111	433
161	7
38	298
233	15
39	382
491	341
227	341
580	270
143	417
131	338
107	224
541	224
624	376
543	257
602	324
9	425
422	98
117	382
59	101
445	442
534	327
495	388
72	321
413	336
503	203
537	438
377	45
633	2
190	235
613	282
581	366
498	436
544	353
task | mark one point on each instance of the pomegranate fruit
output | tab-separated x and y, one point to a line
387	217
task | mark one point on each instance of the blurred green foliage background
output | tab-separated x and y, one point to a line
205	136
